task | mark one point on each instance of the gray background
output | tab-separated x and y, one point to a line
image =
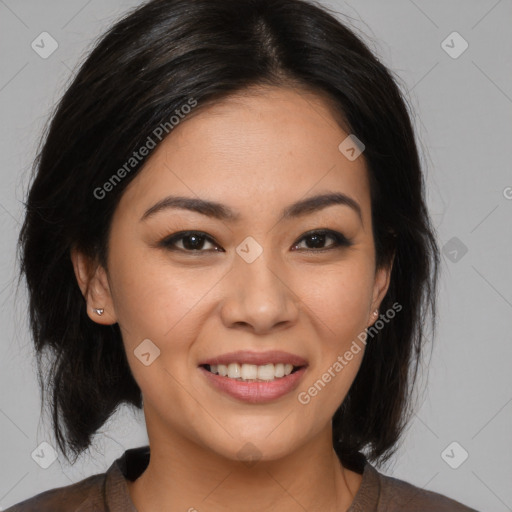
463	118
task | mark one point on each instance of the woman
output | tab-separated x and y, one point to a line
227	228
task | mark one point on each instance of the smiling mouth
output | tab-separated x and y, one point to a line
251	372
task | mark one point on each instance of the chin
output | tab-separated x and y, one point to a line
264	443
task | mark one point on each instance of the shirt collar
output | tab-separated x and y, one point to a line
127	467
134	461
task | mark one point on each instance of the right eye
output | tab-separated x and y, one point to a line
192	241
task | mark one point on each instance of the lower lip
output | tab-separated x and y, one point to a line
255	392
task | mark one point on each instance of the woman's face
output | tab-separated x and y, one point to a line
250	281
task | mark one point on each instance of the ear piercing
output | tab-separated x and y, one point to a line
376	312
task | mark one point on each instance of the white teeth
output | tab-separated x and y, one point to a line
249	371
233	371
266	372
245	371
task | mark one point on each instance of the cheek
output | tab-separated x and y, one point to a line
156	300
339	298
152	296
337	302
162	304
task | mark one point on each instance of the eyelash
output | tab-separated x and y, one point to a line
339	241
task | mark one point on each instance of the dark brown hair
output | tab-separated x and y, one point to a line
141	71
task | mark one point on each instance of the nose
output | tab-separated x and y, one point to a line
259	297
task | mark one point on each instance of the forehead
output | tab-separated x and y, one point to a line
264	146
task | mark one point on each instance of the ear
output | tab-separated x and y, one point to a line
93	282
380	288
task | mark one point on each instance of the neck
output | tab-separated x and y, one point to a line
184	476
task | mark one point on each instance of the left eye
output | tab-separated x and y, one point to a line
317	240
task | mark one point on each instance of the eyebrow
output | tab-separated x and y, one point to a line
223	212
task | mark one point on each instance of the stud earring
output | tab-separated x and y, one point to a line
98	311
376	312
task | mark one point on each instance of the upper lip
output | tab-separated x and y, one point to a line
257	358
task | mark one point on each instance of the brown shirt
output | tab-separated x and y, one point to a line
108	492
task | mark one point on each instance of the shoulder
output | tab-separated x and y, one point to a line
401	496
85	495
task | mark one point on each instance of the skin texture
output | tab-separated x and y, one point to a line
256	152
